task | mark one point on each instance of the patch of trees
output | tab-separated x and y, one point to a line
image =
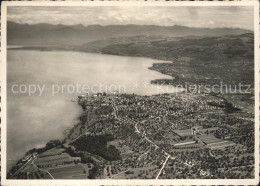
94	172
129	172
72	152
98	145
214	104
163	81
87	159
228	107
51	144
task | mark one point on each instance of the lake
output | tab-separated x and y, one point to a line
34	120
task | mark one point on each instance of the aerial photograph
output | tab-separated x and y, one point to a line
130	92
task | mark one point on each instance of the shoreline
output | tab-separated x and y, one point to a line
77	129
227	107
175	79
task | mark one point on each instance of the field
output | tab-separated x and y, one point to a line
52	152
213	142
149	172
208	139
29	168
68	172
31	172
183	133
185	143
53	160
221	144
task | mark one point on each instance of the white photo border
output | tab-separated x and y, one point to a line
3	76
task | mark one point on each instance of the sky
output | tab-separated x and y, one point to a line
210	17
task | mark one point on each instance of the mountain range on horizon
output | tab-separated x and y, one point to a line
76	35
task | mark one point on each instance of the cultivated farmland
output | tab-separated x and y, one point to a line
52	152
67	172
53	160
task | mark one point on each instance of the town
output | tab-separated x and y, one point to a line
166	136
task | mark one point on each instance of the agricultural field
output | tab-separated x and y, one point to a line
208	139
69	172
32	173
187	148
183	133
29	168
147	172
53	160
52	152
221	144
213	142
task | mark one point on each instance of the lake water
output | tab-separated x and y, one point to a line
33	120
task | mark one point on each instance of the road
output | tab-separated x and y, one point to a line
168	155
142	155
19	169
115	109
200	140
162	167
42	169
156	146
145	138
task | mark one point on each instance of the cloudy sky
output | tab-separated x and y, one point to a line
241	17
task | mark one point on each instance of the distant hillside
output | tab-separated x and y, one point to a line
171	48
58	35
207	60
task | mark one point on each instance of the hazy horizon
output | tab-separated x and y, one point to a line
42	23
196	17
